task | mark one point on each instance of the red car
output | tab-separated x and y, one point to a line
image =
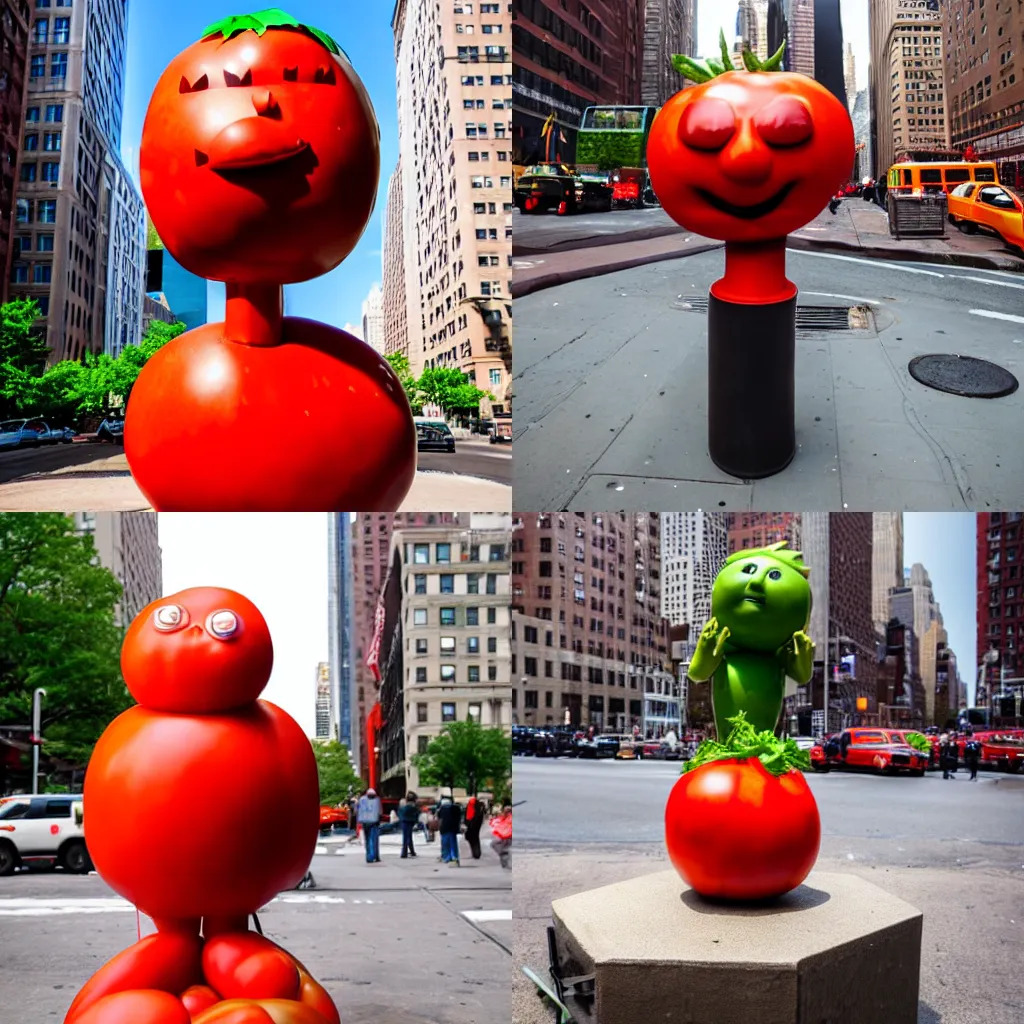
999	750
885	751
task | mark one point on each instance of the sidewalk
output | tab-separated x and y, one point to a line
107	485
857	228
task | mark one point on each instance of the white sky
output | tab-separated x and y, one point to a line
713	15
279	562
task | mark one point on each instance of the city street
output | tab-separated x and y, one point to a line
394	942
953	849
472	458
611	383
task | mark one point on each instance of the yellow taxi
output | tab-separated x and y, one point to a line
974	204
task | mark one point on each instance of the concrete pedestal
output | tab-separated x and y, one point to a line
836	950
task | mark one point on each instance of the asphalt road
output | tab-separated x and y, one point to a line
611	383
20	462
953	849
548	232
471	458
401	942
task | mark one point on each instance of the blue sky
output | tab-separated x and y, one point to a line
160	29
945	544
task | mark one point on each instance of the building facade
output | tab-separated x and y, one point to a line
570	57
183	292
984	84
588	637
828	48
752	26
694	546
393	296
454	109
886	564
908	75
326	726
347	725
1000	604
759	529
72	132
14	21
127	262
373	320
670	27
127	543
799	56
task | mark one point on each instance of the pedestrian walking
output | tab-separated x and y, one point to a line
409	816
949	756
972	755
474	821
501	829
449	816
833	203
368	813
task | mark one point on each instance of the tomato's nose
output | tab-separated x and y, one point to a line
747	160
265	103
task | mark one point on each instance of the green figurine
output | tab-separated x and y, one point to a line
760	606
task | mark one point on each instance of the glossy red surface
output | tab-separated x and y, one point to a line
735	831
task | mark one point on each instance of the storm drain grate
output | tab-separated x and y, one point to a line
963	375
808	318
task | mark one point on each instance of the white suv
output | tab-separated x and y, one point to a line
36	829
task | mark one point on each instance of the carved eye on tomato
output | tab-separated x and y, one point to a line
169	617
750	156
707	125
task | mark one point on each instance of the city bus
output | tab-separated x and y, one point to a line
612	144
940	177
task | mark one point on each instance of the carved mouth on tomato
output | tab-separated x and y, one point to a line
251	144
754	212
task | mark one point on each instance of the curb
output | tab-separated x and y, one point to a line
976	261
597	241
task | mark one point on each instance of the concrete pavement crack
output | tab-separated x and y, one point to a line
553	352
589	469
472	924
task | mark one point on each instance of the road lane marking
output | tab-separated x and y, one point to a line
998	284
870	263
487	915
993	315
852	298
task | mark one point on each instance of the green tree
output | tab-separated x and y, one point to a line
21	342
400	364
338	779
57	630
468	756
450	389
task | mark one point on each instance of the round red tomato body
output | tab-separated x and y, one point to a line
735	831
272	180
751	155
202	815
318	423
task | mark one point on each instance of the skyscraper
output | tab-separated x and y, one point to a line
339	632
752	26
886	564
914	605
14	17
79	215
393	298
670	27
325	721
800	47
1000	603
454	113
373	320
828	48
850	76
759	529
694	546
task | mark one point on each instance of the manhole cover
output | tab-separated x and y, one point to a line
963	375
808	318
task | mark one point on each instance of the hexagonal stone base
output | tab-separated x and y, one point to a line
836	950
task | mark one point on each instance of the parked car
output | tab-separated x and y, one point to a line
999	750
881	750
111	430
606	746
31	433
42	830
522	739
434	437
331	816
974	205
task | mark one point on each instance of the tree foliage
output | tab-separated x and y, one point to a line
400	364
338	779
57	631
450	389
468	756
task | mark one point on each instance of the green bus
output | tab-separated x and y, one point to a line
614	137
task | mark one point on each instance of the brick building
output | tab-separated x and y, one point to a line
14	15
1000	556
588	640
759	529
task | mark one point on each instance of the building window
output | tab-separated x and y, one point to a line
421	645
492	583
51	142
474	673
472	583
447	616
421	674
54	113
447	712
32	115
51	171
42	273
59	65
421	712
28	172
492	616
444	553
472	616
530	700
473	645
19	273
447	583
447	645
419	616
23	211
31	143
61	30
42	29
492	645
421	554
492	675
38	66
420	582
447	673
45	243
24	243
495	378
475	710
47	211
422	742
43	302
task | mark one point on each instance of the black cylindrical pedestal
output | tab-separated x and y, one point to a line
751	386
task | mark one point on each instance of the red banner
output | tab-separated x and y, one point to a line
373	654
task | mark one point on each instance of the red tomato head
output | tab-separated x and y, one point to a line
750	155
200	650
735	831
260	153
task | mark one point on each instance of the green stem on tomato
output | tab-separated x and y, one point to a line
744	743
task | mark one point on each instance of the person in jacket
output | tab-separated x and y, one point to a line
501	829
368	813
474	821
409	816
949	756
972	755
449	816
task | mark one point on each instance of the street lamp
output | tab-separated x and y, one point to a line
37	738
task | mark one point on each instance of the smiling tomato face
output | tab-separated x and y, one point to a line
260	157
750	156
201	650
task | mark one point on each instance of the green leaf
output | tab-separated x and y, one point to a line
327	41
773	62
716	66
744	742
750	60
919	742
690	69
273	17
726	59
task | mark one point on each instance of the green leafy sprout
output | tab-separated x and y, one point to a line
919	742
709	68
273	17
744	743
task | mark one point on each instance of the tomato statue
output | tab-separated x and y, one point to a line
748	156
259	163
202	803
741	822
